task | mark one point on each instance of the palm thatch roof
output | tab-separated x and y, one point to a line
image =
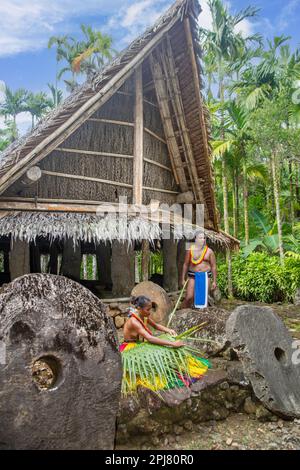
77	108
13	158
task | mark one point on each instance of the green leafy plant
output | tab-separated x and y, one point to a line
261	277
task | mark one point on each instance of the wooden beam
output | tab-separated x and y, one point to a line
106	154
159	190
164	109
46	207
160	165
92	152
83	113
169	67
111	121
155	135
31	176
150	102
198	95
86	178
138	172
38	206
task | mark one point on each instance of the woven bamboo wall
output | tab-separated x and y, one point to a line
108	138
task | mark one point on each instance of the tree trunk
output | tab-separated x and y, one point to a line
225	197
94	267
234	207
297	187
246	209
292	215
276	188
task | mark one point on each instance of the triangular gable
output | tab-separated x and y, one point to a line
193	172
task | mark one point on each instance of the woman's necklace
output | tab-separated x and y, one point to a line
137	317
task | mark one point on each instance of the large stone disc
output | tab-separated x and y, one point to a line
269	357
60	380
162	304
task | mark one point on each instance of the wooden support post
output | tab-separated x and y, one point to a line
122	268
181	252
170	264
71	260
145	260
35	258
103	253
19	259
53	262
138	139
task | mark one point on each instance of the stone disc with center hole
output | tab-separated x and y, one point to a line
61	379
269	356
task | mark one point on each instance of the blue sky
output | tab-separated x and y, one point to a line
26	25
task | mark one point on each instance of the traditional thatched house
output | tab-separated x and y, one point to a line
139	129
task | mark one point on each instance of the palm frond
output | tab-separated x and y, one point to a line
158	367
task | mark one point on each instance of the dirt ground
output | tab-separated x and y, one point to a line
237	432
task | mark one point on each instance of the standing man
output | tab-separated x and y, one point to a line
199	258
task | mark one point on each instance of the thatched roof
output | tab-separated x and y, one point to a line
13	157
64	120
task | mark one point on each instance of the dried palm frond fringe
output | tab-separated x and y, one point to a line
27	226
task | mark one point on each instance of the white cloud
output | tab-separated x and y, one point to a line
26	25
287	14
205	19
134	17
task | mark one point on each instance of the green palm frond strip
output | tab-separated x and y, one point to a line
159	367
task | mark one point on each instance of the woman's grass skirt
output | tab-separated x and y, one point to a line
159	367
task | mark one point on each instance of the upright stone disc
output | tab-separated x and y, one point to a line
60	376
162	304
269	356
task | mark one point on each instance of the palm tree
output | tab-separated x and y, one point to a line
97	50
225	44
56	96
37	104
14	103
8	134
60	42
277	69
234	151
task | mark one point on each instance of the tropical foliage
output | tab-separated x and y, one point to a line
252	90
261	277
